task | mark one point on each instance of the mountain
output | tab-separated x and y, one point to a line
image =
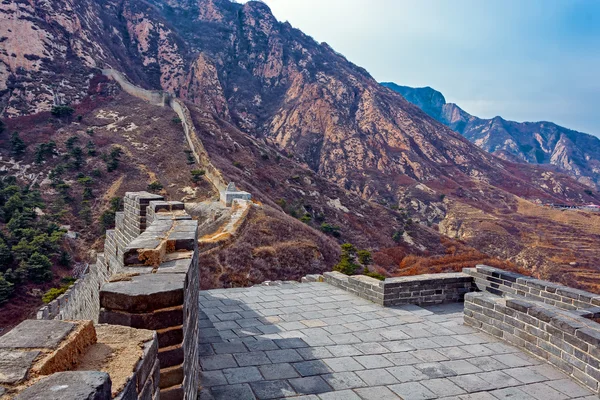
542	143
329	154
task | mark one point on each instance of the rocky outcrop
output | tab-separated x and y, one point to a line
544	143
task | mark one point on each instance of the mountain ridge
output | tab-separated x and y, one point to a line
542	142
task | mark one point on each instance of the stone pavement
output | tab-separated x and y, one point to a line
314	341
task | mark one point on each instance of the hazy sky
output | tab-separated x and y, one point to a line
526	60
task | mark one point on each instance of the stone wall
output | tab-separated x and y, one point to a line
155	97
499	282
158	290
421	290
567	339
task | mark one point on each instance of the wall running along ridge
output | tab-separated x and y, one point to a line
160	98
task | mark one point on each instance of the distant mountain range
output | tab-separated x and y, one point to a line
527	142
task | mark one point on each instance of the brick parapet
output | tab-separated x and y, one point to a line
421	290
569	340
501	283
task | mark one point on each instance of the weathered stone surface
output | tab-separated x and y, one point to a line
175	267
34	334
89	385
143	293
15	365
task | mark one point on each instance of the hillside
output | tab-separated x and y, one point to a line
542	143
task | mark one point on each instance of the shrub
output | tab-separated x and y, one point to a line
238	164
53	293
2	127
375	275
6	289
347	264
364	257
330	229
17	145
155	186
176	120
38	268
190	157
397	236
62	111
306	218
197	175
588	192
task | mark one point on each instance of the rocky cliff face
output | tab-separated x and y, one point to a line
541	143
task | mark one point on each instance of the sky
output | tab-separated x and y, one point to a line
525	60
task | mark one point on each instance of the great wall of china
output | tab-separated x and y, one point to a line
141	300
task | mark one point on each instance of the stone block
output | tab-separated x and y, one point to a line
89	385
143	293
15	365
170	356
158	319
35	334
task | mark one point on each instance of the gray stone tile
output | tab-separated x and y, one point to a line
371	348
548	371
487	363
314	353
398	346
461	367
499	379
343	364
15	364
345	338
272	389
242	375
310	368
290	343
429	355
237	392
339	395
344	350
512	360
310	385
568	387
435	370
413	391
443	387
253	358
512	393
278	371
343	380
402	358
407	374
478	350
229	348
220	361
261	344
32	334
376	393
284	356
541	391
471	383
525	375
373	361
478	396
454	353
212	378
377	377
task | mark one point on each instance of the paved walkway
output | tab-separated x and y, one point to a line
314	341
